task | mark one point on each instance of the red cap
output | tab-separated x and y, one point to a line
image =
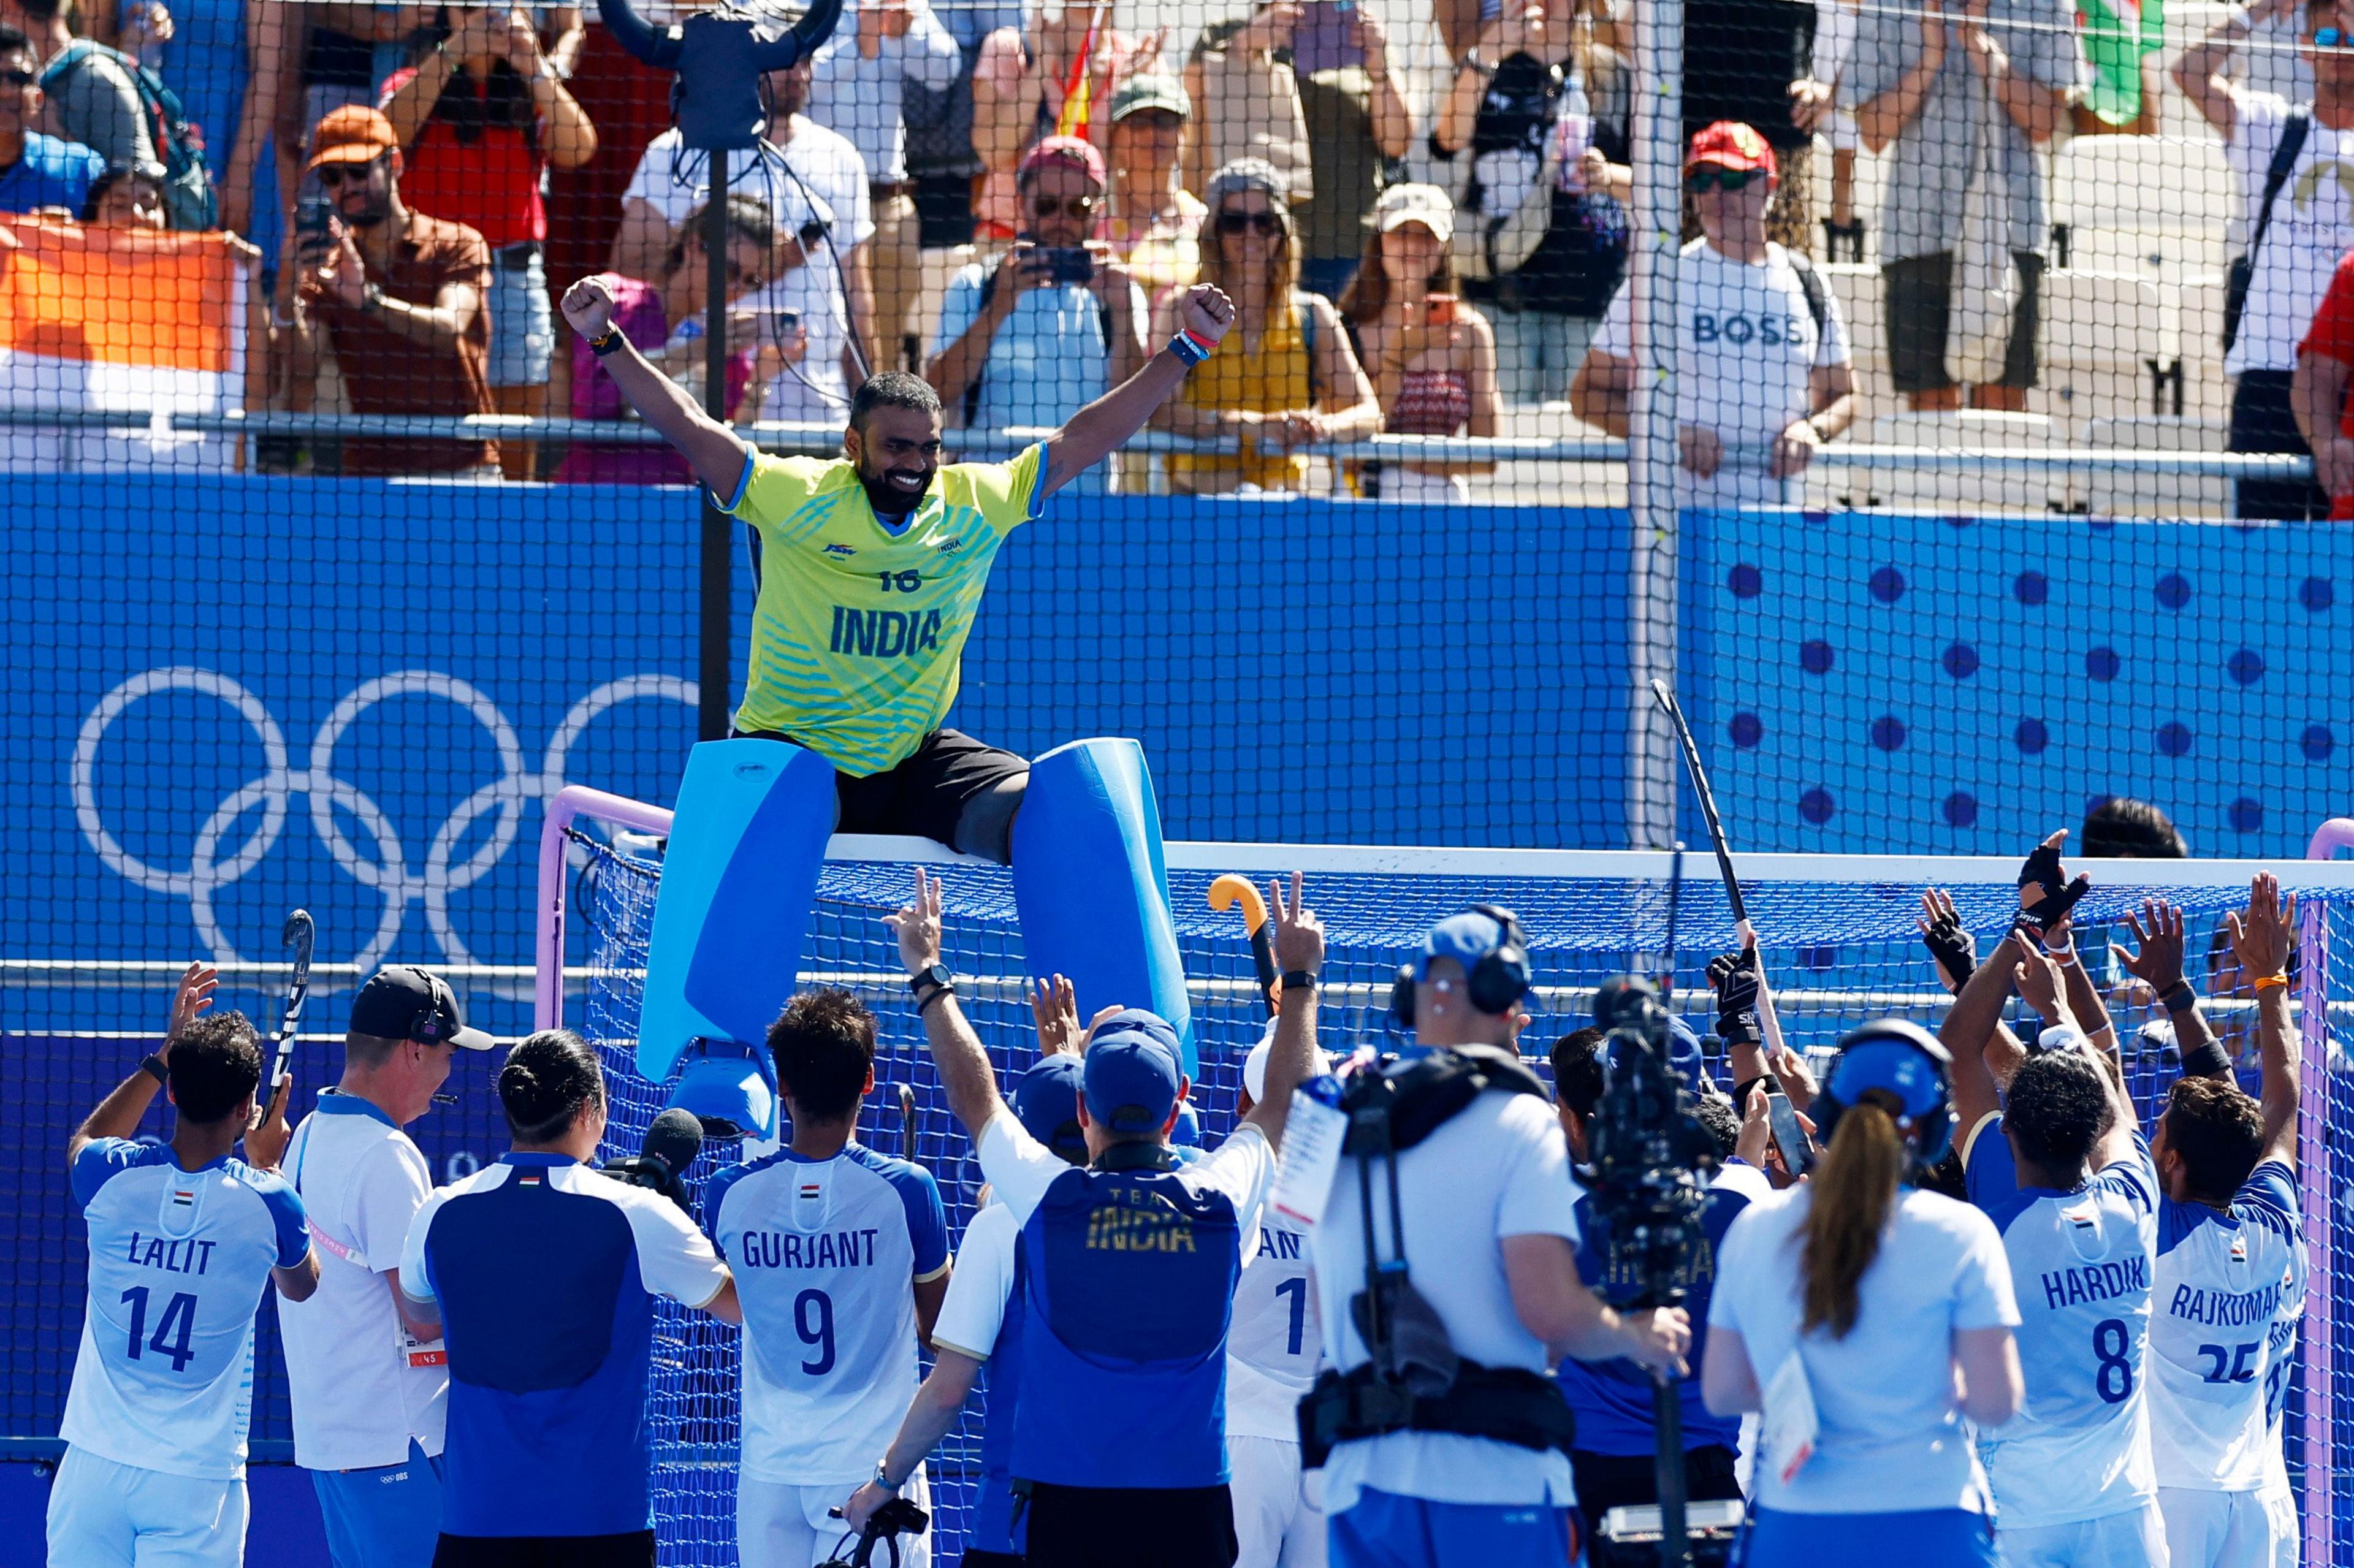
1730	144
1073	151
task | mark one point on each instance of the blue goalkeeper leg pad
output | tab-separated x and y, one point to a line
739	882
1090	886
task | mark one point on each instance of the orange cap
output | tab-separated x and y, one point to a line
352	134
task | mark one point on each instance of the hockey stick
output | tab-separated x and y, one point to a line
298	934
1224	893
907	1122
1771	1024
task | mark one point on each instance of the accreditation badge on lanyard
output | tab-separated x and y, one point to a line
1312	1136
422	1352
1789	1431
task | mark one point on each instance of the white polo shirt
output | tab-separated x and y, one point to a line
362	1386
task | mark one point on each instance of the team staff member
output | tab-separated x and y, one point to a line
1486	1223
841	1257
1272	1352
183	1241
1892	1307
2055	1161
369	1397
1615	1460
541	1275
1129	1267
981	1319
861	525
2231	1277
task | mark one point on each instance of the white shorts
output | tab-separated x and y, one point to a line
105	1515
2229	1530
2136	1539
778	1526
1279	1511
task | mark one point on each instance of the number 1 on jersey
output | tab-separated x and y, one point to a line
1298	1290
172	1330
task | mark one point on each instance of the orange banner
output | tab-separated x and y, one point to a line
119	296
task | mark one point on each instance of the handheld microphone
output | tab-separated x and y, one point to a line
445	1099
660	1166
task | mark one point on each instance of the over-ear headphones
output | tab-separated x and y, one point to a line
430	1026
1902	1060
1496	982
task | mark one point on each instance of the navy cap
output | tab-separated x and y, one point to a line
1467	939
405	1002
1133	1072
1046	1101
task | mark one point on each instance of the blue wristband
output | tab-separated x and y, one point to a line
1189	348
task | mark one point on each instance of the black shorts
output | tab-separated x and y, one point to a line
1606	1481
2262	422
926	792
1920	295
634	1549
1130	1527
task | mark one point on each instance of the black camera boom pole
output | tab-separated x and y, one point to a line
1668	1421
716	628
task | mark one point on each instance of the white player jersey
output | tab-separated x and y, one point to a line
2080	1264
1275	1343
2281	1349
178	1260
824	1253
2224	1281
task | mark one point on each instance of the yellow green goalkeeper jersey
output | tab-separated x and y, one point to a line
859	633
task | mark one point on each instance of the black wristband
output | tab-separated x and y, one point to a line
155	1065
609	342
2179	997
1299	980
2207	1061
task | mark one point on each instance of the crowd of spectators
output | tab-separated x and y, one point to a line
1004	197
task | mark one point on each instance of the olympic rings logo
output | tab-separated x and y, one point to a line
214	864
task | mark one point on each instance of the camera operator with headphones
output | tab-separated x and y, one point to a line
1447	1442
1849	1310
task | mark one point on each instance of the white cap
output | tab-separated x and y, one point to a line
1425	204
1255	1065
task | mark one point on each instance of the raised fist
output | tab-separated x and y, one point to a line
1208	313
588	305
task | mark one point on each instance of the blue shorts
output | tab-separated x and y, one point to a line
1389	1531
522	324
388	1517
1926	1538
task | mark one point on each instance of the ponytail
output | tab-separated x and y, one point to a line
545	1082
1852	1194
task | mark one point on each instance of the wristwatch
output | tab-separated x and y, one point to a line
154	1064
1298	979
925	980
883	1466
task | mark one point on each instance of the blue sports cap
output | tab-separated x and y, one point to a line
1133	1072
1467	939
1047	1102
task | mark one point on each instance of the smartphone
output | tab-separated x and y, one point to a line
1438	309
1069	263
1789	1137
782	324
314	224
1327	38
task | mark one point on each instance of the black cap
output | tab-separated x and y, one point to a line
405	1002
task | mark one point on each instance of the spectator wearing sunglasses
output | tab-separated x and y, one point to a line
1287	378
2310	227
1055	322
1763	368
399	298
36	171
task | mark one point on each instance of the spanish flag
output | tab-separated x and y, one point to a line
129	318
1078	88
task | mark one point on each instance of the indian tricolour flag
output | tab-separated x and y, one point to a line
140	321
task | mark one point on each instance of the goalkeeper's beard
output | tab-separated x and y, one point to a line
892	499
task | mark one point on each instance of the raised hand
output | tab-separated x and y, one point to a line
1798	1079
1054	1005
917	924
2045	893
1298	934
2038	979
1734	978
265	1143
2265	935
588	305
194	994
2157	927
1757	1130
1948	941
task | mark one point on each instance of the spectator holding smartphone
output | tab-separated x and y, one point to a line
663	315
481	119
399	297
1431	356
1287	378
1055	322
1764	373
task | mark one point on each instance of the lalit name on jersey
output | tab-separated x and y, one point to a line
171	1257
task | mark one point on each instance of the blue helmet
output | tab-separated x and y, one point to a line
1902	1060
